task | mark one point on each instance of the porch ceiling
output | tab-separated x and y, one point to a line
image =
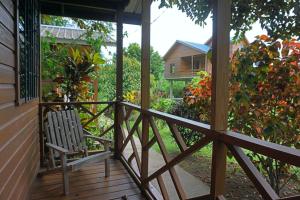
104	10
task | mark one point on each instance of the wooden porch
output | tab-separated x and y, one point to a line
89	183
138	124
127	169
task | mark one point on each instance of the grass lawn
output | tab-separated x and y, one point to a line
172	147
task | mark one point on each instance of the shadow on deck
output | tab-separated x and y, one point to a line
88	183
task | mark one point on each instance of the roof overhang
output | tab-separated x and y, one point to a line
102	10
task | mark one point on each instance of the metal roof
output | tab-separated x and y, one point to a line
70	35
199	47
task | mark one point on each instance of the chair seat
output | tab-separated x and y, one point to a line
76	164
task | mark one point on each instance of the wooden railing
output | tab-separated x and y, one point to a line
181	74
92	112
131	136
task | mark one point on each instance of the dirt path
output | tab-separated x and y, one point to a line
237	185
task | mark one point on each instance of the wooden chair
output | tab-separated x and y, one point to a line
65	136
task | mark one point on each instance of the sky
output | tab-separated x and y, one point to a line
170	24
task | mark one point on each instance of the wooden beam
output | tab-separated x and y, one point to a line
104	4
220	75
145	86
88	13
119	84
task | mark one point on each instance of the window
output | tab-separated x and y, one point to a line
199	62
172	68
28	40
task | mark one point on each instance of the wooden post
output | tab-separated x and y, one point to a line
145	85
171	89
119	83
220	76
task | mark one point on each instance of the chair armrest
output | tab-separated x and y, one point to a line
100	139
57	148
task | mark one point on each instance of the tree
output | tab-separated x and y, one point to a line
281	18
54	20
131	77
264	99
156	61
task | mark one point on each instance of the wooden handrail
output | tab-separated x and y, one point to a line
234	141
273	150
75	103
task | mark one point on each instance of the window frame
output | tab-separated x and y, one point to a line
172	68
32	65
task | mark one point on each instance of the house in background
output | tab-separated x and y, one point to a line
184	59
70	35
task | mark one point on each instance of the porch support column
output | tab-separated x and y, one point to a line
171	89
119	83
220	97
145	85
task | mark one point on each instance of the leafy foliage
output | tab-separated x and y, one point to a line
264	98
182	109
156	61
52	58
54	20
131	77
80	68
280	18
164	105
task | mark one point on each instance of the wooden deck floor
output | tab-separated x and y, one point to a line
88	183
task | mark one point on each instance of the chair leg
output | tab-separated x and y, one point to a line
65	173
107	167
51	159
107	163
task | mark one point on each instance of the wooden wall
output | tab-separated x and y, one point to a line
19	144
174	57
184	70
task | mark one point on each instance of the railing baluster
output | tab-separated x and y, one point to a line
174	176
252	172
177	136
162	187
132	141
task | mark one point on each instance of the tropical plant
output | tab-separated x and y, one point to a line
272	15
80	69
52	58
264	98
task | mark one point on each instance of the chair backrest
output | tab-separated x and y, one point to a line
63	128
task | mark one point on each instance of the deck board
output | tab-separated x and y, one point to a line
89	183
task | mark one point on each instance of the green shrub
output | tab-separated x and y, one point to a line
163	105
182	109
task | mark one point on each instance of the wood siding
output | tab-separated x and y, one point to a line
181	69
19	143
